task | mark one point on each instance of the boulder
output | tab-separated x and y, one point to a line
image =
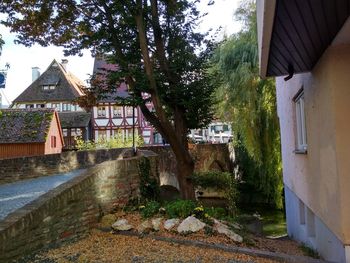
122	225
108	220
145	227
170	223
156	223
190	224
224	229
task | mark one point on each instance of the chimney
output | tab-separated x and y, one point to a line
64	63
35	73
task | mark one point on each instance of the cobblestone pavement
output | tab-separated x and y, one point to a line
15	195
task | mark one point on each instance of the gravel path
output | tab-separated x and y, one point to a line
15	195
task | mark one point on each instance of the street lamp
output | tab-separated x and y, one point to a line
131	92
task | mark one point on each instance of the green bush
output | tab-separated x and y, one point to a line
212	179
180	208
117	141
150	209
219	181
216	212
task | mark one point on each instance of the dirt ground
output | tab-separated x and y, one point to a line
101	247
108	247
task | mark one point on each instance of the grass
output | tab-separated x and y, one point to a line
274	222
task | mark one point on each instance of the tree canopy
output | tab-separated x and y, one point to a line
154	43
249	102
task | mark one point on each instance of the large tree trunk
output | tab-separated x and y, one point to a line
176	132
184	171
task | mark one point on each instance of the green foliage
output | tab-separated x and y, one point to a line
249	103
150	209
308	251
180	208
219	181
212	179
216	212
118	141
149	186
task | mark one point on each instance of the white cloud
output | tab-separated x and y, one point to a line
22	59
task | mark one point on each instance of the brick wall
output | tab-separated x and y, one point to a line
70	210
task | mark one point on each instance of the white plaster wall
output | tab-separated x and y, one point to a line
326	243
320	178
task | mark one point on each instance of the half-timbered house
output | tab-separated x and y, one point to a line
109	118
58	89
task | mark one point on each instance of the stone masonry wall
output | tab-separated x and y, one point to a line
207	157
12	170
70	210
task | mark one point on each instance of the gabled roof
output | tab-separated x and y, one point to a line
25	126
102	67
74	119
68	87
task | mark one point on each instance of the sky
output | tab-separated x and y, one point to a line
22	59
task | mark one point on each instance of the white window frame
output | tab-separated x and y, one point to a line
128	111
66	107
117	111
101	111
301	138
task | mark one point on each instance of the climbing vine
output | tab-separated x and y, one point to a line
149	186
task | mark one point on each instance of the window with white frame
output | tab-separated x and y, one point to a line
117	111
55	106
101	111
66	107
301	139
128	111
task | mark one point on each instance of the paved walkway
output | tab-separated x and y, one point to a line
15	195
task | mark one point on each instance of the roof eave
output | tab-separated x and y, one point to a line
265	20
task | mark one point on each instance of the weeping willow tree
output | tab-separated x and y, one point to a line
249	102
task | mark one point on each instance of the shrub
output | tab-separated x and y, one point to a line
180	208
150	209
216	212
220	181
117	141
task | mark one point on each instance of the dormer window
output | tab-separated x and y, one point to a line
49	87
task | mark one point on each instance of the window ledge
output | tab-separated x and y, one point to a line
297	151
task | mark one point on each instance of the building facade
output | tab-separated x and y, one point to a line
306	46
29	132
58	89
109	118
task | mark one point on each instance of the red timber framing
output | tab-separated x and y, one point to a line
104	120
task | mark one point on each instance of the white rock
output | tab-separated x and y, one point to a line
190	224
156	223
144	227
170	223
122	225
224	229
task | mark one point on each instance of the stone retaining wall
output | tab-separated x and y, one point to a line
70	210
207	157
12	170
